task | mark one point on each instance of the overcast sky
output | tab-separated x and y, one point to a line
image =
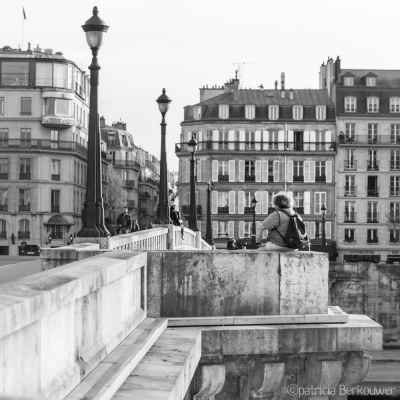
182	45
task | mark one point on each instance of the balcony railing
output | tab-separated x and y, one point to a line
350	191
298	178
350	165
3	207
249	178
55	177
25	176
3	234
373	240
249	209
129	184
350	216
55	208
372	217
349	240
394	166
394	191
373	165
24	207
4	177
223	177
223	210
24	234
368	140
126	163
373	192
144	195
320	178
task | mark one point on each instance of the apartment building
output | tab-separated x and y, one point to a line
254	143
368	161
43	147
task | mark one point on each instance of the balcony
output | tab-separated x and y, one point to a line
320	178
349	240
372	217
350	216
24	234
350	191
373	192
25	176
126	163
372	165
223	177
373	240
55	208
3	207
394	166
249	178
350	165
223	210
394	191
368	140
144	195
4	177
55	177
129	184
3	234
24	207
298	178
131	203
57	122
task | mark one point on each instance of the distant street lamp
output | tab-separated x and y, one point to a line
93	221
323	209
163	209
192	145
253	239
209	232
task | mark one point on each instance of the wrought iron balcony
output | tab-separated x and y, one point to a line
373	165
350	216
24	234
350	191
223	210
24	207
298	178
320	178
4	177
249	178
55	208
223	177
373	217
55	177
350	165
25	176
373	192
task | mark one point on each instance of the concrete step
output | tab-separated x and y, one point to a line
166	371
105	380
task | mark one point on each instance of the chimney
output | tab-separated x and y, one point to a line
337	69
29	46
282	81
233	86
102	122
276	85
291	94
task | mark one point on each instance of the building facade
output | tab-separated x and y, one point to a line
368	161
253	143
44	107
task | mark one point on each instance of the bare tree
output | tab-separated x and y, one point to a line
116	196
393	223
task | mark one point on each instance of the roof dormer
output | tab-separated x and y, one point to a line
348	79
370	79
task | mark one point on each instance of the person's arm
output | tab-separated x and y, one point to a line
271	222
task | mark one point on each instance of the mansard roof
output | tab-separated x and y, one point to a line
384	77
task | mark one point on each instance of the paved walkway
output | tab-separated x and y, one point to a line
17	267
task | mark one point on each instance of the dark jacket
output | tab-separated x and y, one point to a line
124	220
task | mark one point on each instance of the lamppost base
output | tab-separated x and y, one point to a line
89	231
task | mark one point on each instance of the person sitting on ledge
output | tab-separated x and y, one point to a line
277	224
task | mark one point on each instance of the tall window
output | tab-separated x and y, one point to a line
298	171
223	140
56	232
250	140
223	169
350	162
350	131
3	168
297	112
55	201
250	112
350	104
3	229
349	211
395	133
15	73
349	235
24	199
350	185
372	163
320	112
395	104
197	112
250	168
223	228
320	171
54	139
320	199
3	199
223	200
372	214
3	137
44	74
249	196
111	139
348	81
373	104
298	198
25	168
55	170
23	229
1	105
25	137
395	160
273	112
372	133
223	111
26	106
395	186
372	236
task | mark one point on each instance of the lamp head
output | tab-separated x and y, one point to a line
254	202
192	145
95	28
323	209
163	102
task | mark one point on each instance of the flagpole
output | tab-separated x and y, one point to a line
22	46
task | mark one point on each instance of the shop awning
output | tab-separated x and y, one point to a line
58	220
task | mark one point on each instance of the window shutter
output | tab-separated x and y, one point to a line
264	209
198	170
231	170
317	203
187	171
290	137
200	140
306	140
276	170
188	136
258	205
328	230
215	228
232	202
312	140
214	171
266	140
215	139
214	202
231	229
231	138
290	171
307	203
264	173
328	139
241	170
281	140
241	229
307	225
240	202
242	138
312	230
328	169
257	138
306	171
312	171
258	171
323	198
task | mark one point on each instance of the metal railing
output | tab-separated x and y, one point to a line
372	165
55	177
369	139
3	207
4	176
55	208
25	176
350	191
126	163
24	207
24	234
372	217
350	165
373	192
350	216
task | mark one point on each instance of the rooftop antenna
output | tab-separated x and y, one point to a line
240	70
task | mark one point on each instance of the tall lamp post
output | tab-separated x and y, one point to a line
209	232
163	210
323	209
93	213
253	239
192	145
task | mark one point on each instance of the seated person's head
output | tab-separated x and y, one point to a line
283	200
231	244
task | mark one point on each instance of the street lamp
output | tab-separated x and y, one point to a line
323	209
192	145
93	221
163	209
209	232
254	203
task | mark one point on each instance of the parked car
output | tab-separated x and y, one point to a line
32	250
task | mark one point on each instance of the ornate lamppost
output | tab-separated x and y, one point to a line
93	213
209	232
253	239
163	209
323	209
192	145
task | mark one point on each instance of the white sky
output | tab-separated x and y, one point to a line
183	44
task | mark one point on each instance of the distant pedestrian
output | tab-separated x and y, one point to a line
150	225
135	226
174	216
123	222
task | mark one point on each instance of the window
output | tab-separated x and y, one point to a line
60	76
25	137
197	112
395	186
372	163
349	211
223	228
1	105
223	170
370	81
3	199
223	140
273	112
372	214
223	111
58	107
24	200
349	160
250	170
348	81
350	132
26	106
44	74
350	104
372	235
394	235
124	140
23	229
3	226
223	201
54	139
25	168
395	133
320	113
298	198
249	196
350	185
395	160
15	73
250	112
249	140
372	186
56	232
297	112
3	168
55	201
320	175
111	139
349	235
55	170
3	137
395	104
372	133
372	104
298	171
320	199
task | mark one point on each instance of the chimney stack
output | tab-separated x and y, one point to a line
276	85
282	81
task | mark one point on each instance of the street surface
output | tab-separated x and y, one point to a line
16	267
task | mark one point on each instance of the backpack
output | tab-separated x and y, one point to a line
296	235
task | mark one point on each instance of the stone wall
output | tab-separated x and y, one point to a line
370	289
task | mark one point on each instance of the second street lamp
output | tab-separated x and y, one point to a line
253	239
323	209
192	145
